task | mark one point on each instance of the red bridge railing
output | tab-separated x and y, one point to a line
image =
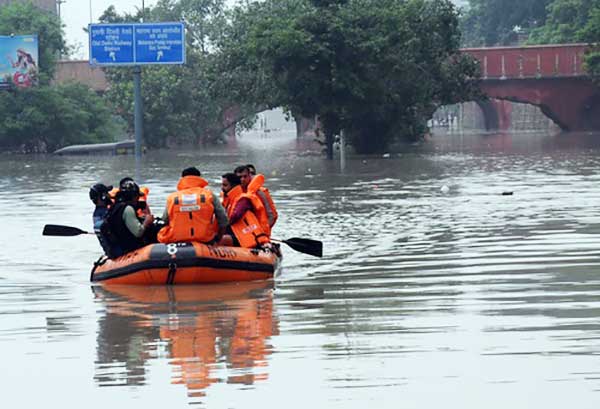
540	61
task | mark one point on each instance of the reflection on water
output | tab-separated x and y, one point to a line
426	297
209	334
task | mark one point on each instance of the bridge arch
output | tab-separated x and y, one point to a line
550	77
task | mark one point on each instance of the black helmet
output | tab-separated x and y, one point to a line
125	181
128	190
99	191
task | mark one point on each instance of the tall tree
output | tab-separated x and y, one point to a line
495	22
574	21
567	22
377	69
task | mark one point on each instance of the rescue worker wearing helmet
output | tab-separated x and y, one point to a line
126	230
99	195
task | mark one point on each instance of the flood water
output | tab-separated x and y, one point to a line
465	298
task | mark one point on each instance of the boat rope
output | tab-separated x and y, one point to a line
172	271
98	263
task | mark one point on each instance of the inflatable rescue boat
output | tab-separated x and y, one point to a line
187	263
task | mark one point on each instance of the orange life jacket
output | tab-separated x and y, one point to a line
270	204
259	207
248	229
191	213
224	199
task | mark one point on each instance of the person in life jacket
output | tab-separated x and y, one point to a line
99	195
247	174
141	207
244	226
190	212
122	226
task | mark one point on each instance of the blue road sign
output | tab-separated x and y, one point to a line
160	43
137	44
111	44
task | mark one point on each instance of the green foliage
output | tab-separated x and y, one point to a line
571	21
43	118
377	69
23	19
567	22
495	22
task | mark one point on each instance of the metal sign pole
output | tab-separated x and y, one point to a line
137	44
342	151
138	119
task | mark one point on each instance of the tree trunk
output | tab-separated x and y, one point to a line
329	139
298	119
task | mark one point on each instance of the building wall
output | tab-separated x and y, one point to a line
49	5
81	71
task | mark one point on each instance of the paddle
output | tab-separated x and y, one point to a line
58	230
306	246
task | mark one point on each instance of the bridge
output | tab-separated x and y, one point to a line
551	77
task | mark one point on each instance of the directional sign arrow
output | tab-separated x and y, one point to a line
158	55
112	55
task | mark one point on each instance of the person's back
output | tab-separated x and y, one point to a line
192	213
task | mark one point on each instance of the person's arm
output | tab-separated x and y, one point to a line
133	224
242	206
165	216
221	216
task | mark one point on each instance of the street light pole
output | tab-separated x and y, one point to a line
91	20
58	3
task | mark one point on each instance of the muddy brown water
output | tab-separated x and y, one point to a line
427	296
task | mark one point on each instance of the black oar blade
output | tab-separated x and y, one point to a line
306	246
57	230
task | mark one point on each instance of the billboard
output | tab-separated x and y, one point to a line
18	61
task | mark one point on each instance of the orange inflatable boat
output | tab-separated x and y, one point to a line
186	263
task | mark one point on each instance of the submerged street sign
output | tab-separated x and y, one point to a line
137	44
